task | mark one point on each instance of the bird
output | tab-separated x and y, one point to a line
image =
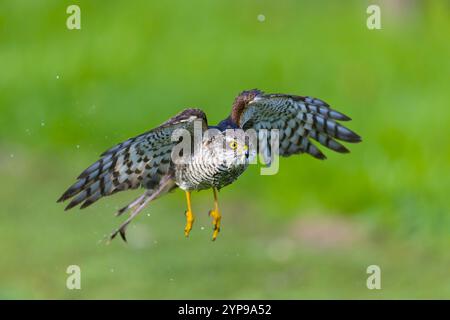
152	160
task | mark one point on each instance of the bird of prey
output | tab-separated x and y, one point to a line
147	160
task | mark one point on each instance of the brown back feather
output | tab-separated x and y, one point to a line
241	101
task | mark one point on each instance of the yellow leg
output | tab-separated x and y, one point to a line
215	214
189	215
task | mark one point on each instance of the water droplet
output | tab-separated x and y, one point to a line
148	214
78	146
202	228
42	123
57	76
261	18
12	155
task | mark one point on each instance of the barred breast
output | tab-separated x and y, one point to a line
204	173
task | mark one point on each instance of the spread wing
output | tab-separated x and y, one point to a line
298	119
140	161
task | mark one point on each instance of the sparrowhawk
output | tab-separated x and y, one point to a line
147	160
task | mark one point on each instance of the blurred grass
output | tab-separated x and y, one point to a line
68	95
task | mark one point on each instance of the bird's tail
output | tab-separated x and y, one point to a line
166	184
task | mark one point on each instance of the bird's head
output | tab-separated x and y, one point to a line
231	146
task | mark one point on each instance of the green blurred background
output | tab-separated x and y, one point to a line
308	232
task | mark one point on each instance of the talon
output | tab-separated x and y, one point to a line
215	233
189	222
215	214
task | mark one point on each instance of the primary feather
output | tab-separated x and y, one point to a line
138	162
297	118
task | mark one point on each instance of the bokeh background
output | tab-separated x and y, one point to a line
308	232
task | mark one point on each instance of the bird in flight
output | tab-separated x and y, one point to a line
148	160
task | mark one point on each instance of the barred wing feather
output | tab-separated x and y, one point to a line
298	119
141	161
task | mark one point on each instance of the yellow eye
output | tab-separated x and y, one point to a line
233	145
